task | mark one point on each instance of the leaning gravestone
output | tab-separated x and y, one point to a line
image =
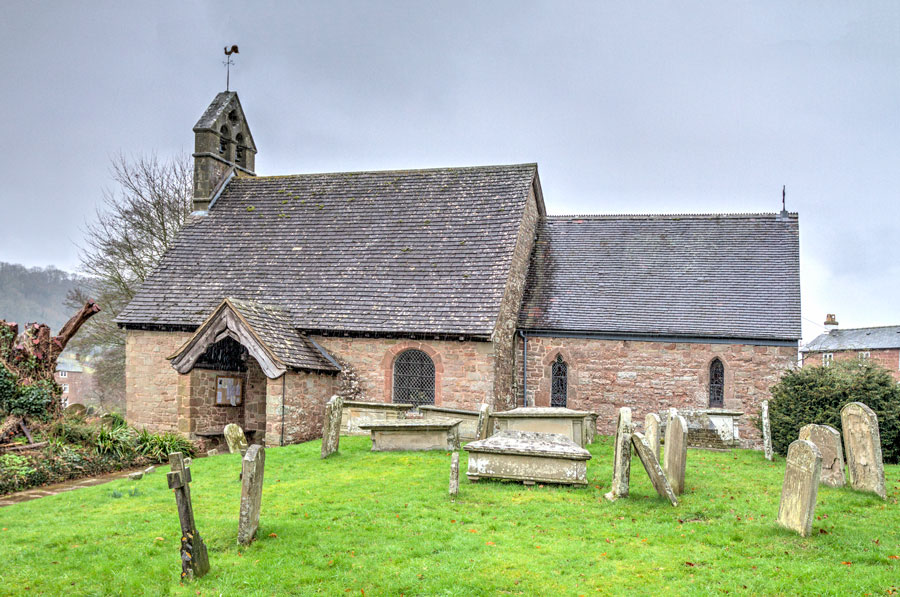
622	457
675	457
651	432
194	559
252	467
828	441
234	435
801	485
454	475
651	465
331	428
766	430
862	442
483	430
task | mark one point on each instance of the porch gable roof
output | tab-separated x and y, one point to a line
265	331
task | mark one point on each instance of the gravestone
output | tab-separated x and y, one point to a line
651	465
862	443
651	432
252	467
454	475
331	427
622	457
675	457
483	430
234	435
800	487
828	441
766	430
194	559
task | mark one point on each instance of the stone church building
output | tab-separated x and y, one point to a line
445	286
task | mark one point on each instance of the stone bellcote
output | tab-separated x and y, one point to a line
223	146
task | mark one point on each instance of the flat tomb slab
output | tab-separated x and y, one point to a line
563	421
414	435
529	457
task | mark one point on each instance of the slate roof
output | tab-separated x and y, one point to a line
274	327
856	339
734	276
414	251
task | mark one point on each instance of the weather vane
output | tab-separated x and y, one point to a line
228	62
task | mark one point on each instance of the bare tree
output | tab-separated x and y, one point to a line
131	231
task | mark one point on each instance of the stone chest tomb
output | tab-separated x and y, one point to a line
529	457
564	421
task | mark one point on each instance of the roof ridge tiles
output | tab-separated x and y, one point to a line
393	171
704	216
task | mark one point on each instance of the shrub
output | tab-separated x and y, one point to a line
118	441
32	401
817	394
158	446
72	430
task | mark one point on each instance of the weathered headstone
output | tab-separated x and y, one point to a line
766	430
483	430
136	476
800	487
675	456
331	428
454	475
651	465
828	441
194	559
862	443
234	435
149	470
252	467
651	432
212	452
622	457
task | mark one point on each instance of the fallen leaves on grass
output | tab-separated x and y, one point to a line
272	535
847	563
691	564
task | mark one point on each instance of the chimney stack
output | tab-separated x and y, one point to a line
830	322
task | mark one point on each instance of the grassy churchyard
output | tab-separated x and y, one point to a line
364	523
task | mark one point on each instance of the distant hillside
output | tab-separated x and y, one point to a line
35	294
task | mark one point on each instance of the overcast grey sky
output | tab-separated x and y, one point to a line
627	107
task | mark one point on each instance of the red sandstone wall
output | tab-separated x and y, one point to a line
505	329
889	358
604	375
464	371
305	395
151	384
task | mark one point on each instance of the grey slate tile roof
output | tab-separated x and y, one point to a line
416	251
856	339
274	327
723	276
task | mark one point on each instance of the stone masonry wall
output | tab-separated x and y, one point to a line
464	371
505	329
604	375
305	395
151	384
889	358
197	408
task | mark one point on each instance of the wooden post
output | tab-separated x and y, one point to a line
194	559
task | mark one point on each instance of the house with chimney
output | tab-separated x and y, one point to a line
449	286
878	344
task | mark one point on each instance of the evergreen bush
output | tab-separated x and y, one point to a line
817	394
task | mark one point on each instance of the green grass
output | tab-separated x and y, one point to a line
382	524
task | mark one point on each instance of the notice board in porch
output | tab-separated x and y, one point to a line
229	390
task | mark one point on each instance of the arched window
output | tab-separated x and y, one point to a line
239	152
560	378
716	384
413	378
223	139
